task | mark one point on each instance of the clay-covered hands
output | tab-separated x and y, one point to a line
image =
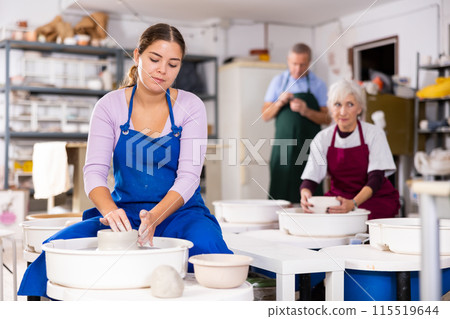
299	106
117	220
147	227
345	207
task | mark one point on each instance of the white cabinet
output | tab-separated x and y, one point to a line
245	136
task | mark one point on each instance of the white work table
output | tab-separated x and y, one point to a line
278	236
192	291
368	258
287	260
245	227
365	257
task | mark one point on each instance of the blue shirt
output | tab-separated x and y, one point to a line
278	86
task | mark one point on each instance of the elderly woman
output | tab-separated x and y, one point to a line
356	156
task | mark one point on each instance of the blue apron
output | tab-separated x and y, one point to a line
145	169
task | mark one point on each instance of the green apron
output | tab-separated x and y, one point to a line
285	172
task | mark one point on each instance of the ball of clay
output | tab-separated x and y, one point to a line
121	240
166	282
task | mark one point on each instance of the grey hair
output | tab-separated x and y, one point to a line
341	89
301	48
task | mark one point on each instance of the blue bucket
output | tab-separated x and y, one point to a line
362	285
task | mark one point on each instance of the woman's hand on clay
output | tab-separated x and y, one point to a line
346	206
147	227
304	195
116	219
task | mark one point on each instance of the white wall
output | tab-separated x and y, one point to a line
415	22
445	26
282	37
241	38
35	12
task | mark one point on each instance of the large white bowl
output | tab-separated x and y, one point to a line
36	231
402	235
220	270
77	263
321	203
255	211
294	221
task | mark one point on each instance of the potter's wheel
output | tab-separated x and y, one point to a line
192	291
77	263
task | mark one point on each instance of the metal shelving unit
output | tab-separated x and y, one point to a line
205	97
421	135
51	90
8	46
119	57
46	135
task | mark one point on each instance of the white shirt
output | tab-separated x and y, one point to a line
380	156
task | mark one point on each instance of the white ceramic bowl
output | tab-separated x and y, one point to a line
82	39
255	211
77	263
36	231
321	203
294	221
402	235
221	270
110	240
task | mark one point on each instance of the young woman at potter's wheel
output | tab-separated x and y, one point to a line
356	156
157	138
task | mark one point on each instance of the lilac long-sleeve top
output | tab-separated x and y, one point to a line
111	111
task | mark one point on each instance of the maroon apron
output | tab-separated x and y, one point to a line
347	168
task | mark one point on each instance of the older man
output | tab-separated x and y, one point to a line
297	100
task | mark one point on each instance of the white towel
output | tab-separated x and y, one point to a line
50	169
